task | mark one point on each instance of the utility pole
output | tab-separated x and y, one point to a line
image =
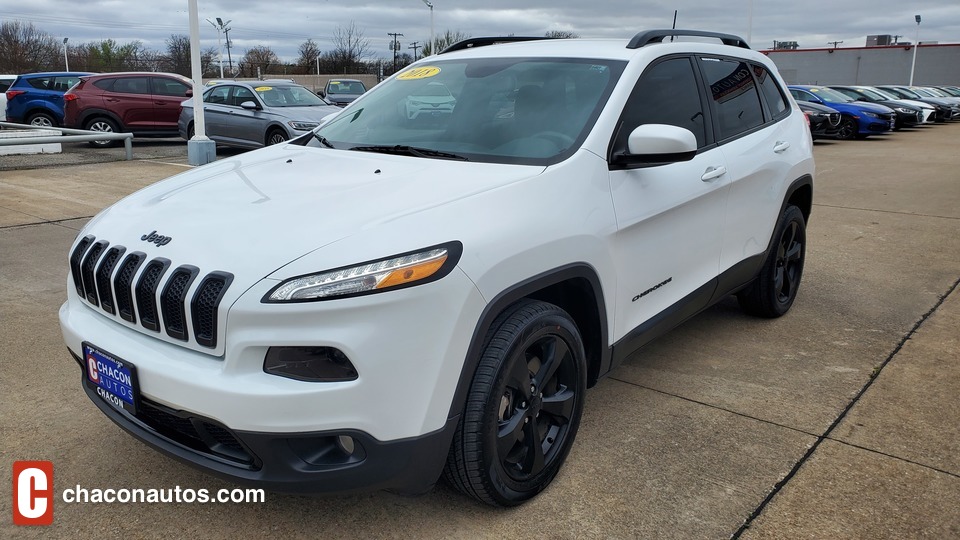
834	43
394	45
226	33
415	45
896	39
219	26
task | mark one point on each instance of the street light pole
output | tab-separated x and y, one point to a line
916	45
432	44
66	62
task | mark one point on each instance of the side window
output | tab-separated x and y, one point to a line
849	93
800	96
772	93
666	93
169	87
219	94
734	95
40	83
105	84
131	85
241	94
62	84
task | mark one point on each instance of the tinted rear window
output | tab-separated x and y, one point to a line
734	95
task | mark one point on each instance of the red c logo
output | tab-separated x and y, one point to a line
92	369
32	492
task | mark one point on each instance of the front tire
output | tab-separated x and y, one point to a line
276	136
773	291
523	408
848	129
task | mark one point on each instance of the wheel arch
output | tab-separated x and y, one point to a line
35	108
274	126
576	289
89	114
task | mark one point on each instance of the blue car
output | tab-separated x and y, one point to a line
858	119
37	98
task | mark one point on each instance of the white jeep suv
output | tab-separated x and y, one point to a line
384	301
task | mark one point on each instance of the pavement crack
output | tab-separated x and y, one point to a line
836	422
886	211
892	456
715	407
45	222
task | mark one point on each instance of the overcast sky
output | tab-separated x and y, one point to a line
284	24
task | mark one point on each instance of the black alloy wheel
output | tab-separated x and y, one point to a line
848	129
774	290
523	408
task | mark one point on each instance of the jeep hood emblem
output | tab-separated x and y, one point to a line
157	239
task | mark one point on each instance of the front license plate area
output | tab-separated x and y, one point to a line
113	379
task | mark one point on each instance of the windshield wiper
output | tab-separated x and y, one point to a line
323	140
403	150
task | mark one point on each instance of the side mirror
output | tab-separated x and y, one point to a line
861	98
321	93
250	106
657	144
189	92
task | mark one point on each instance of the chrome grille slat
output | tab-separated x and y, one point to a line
75	258
86	271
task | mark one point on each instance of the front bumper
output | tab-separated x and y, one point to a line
313	462
226	415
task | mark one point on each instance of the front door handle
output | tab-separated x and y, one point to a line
781	146
713	173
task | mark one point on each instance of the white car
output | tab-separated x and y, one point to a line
5	82
382	301
430	101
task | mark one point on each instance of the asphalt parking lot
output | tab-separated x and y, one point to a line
839	420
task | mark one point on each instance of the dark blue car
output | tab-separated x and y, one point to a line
37	98
858	119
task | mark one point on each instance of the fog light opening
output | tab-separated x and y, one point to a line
346	444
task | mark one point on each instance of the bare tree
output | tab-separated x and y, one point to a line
261	57
26	48
561	34
178	54
442	41
350	47
309	51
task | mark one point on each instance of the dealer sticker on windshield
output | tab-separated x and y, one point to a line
114	380
419	73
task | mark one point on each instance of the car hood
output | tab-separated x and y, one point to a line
310	114
254	213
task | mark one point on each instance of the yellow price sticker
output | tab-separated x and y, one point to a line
419	73
263	88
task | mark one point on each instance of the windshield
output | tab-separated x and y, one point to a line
288	96
884	93
937	92
504	110
923	92
345	87
873	94
828	94
906	92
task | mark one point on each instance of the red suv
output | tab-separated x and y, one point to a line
145	104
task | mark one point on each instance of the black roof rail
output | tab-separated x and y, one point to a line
656	36
484	41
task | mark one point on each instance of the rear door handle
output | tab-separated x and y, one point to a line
781	146
713	173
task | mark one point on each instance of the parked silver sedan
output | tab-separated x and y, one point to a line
255	114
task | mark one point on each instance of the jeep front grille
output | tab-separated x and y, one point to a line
133	296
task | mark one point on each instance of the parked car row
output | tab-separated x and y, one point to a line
855	111
150	104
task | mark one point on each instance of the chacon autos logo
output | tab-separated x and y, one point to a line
32	492
157	239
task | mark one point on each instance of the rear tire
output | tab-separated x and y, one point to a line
773	291
104	125
41	119
523	407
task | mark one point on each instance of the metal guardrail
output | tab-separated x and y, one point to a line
81	136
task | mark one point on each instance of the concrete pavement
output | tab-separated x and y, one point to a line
836	421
